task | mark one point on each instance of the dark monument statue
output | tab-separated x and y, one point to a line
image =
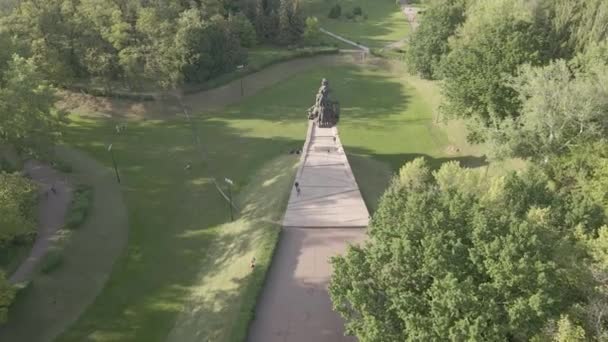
325	111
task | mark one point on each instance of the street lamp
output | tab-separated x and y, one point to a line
239	68
230	184
114	163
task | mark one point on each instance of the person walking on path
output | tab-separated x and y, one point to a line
297	185
252	264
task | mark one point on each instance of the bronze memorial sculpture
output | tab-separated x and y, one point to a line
326	111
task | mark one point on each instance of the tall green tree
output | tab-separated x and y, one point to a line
497	37
429	43
451	256
28	121
560	110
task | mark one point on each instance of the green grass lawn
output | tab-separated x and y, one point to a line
185	272
384	24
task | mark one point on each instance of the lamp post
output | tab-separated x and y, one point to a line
230	183
114	163
240	68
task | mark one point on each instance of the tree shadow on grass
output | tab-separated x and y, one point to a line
178	239
363	96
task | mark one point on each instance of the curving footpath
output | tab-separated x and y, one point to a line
321	221
53	302
52	207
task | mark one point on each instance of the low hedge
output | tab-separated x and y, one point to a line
82	201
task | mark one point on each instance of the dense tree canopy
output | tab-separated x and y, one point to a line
17	201
452	256
28	121
137	42
430	40
560	110
497	37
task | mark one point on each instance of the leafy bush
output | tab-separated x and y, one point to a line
448	248
6	165
52	261
312	32
335	12
17	201
357	11
62	166
80	206
349	16
7	295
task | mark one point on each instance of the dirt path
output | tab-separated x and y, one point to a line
54	301
55	195
411	13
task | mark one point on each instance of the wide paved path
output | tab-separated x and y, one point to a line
320	222
329	195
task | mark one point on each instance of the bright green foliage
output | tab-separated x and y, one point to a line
7	295
594	312
430	40
453	257
17	201
28	121
582	175
497	37
560	110
312	32
335	12
135	41
568	331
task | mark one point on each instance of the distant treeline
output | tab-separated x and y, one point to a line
136	42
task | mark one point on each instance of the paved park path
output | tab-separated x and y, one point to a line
52	208
320	222
54	301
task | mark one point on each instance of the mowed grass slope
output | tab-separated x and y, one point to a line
385	23
185	274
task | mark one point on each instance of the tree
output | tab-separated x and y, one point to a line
497	37
284	22
451	256
335	12
242	29
590	22
560	110
17	203
429	43
28	121
312	32
7	295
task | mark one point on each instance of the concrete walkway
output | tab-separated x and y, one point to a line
320	222
329	196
